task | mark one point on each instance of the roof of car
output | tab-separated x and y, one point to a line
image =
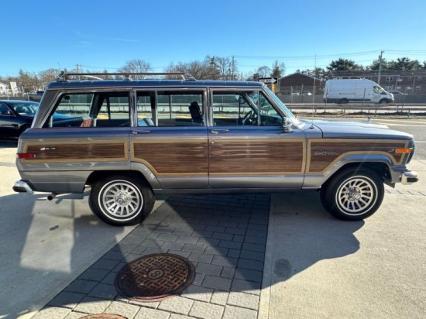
150	83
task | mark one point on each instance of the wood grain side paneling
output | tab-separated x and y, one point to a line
256	157
188	158
324	153
78	151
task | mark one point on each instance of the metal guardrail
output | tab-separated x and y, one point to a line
409	110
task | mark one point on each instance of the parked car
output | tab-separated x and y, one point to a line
129	141
355	90
15	117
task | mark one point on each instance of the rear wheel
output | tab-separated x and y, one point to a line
384	101
121	200
353	194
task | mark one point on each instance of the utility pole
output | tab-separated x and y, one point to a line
380	67
314	88
77	70
232	68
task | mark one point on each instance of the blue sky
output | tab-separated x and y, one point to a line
97	34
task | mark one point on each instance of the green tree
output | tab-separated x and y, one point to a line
375	65
344	65
278	70
404	64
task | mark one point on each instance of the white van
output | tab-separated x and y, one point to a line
355	90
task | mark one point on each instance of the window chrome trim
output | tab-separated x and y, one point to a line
238	89
59	95
165	89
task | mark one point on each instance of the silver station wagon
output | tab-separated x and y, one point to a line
130	140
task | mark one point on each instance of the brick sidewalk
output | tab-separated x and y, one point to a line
223	235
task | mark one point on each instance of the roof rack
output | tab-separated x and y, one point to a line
64	75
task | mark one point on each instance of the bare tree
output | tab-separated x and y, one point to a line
264	71
136	66
48	75
226	66
201	70
28	82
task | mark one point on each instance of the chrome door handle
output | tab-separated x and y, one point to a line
218	131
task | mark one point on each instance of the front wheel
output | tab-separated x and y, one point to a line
353	194
121	200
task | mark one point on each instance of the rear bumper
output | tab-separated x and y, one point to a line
22	186
409	177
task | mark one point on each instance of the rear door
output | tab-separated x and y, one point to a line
248	147
85	131
171	136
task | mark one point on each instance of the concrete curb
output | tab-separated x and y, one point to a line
265	294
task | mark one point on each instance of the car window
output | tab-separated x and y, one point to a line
88	110
28	109
378	89
114	110
146	108
234	109
176	108
268	114
4	109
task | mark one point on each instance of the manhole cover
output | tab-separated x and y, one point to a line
154	277
103	316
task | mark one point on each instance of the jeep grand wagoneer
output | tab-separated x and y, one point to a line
129	140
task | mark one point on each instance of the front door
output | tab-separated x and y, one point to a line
171	137
248	146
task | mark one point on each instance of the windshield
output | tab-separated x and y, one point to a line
281	105
379	90
25	108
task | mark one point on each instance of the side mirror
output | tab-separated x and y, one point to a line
287	125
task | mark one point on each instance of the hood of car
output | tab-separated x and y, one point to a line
338	129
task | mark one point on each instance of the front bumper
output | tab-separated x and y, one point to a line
22	187
409	177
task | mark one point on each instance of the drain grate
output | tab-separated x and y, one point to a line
154	277
103	316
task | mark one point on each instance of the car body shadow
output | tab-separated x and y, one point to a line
302	233
225	238
44	246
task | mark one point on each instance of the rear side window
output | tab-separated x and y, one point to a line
88	110
170	108
180	108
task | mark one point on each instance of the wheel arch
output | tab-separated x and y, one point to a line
136	169
382	168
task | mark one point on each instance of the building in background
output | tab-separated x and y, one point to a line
4	88
300	84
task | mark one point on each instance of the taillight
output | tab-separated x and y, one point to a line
26	155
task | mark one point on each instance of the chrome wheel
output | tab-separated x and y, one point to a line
120	200
356	195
